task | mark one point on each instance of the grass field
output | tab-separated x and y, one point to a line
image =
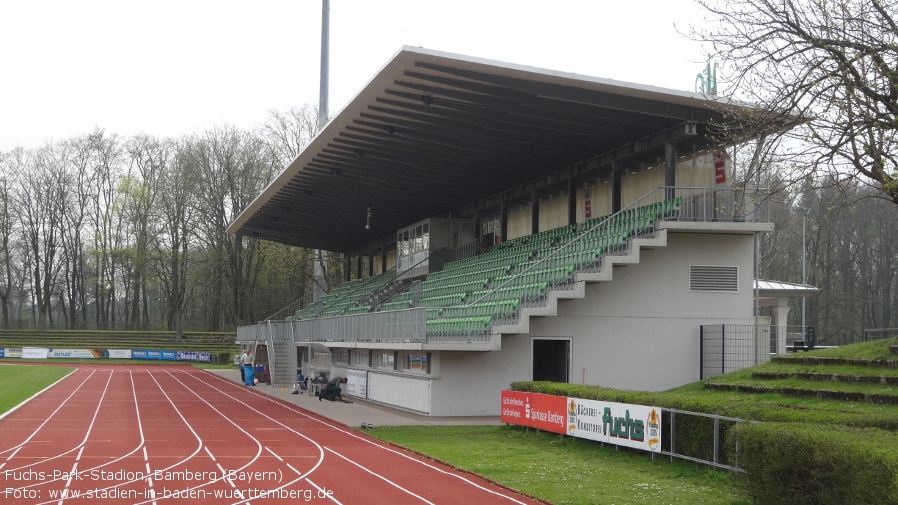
567	470
18	383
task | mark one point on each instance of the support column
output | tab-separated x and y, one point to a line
616	177
781	313
503	221
571	201
670	169
534	213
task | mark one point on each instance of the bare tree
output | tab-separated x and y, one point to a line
7	227
106	162
42	192
230	167
173	239
139	192
288	132
833	65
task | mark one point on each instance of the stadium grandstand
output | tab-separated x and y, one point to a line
516	224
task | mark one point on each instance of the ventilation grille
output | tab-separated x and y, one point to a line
713	278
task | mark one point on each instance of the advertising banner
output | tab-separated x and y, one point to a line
34	353
71	353
12	352
622	424
548	413
117	353
154	354
357	383
515	408
635	426
205	357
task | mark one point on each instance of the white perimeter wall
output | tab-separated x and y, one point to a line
470	383
403	391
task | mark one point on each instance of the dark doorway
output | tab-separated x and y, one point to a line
551	360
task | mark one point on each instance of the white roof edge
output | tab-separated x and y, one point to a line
410	52
774	287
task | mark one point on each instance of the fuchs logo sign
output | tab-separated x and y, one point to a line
633	426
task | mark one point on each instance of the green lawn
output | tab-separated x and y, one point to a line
567	470
20	382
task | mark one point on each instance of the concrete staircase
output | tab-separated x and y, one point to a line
630	256
283	363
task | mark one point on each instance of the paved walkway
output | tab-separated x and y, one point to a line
359	411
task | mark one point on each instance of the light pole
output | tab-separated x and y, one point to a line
804	269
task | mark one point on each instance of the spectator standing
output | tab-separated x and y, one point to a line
248	374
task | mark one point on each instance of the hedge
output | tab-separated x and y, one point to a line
804	464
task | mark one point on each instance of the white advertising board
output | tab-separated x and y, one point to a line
357	383
34	353
635	426
71	353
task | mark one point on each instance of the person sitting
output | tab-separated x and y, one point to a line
332	390
300	384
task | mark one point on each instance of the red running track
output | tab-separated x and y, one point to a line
178	435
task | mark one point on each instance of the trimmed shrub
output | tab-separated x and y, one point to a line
804	464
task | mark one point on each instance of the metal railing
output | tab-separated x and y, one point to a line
388	326
730	347
879	333
716	459
726	348
696	205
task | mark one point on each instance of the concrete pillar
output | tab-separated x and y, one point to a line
781	313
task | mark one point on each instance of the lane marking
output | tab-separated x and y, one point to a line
298	410
379	476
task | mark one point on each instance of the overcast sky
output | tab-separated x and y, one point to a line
170	68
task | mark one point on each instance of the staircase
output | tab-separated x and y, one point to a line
283	363
604	273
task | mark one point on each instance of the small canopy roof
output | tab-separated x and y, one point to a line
434	134
778	289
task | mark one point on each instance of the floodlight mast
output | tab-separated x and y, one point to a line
319	256
325	50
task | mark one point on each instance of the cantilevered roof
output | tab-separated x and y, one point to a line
434	133
775	289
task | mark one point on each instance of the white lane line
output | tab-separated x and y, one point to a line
150	489
182	461
301	475
36	430
23	402
223	475
120	458
324	491
72	474
83	441
298	410
379	476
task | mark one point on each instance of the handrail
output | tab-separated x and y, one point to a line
572	243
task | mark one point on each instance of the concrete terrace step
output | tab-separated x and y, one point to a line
605	274
824	377
856	396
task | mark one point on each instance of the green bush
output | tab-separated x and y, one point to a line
803	464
